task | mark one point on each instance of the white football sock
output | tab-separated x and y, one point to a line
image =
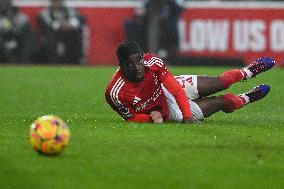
248	73
244	96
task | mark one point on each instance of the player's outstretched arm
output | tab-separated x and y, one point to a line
129	114
177	91
154	117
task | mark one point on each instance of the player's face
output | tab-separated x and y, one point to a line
133	67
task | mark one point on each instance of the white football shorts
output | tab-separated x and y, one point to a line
189	84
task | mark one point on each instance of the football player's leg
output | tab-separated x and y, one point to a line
229	103
258	66
205	107
199	86
202	86
209	105
232	102
208	85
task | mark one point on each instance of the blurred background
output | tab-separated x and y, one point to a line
86	32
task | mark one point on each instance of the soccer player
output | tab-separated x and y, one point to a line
144	90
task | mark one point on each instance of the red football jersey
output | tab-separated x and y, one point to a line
135	101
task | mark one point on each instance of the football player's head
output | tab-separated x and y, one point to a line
130	58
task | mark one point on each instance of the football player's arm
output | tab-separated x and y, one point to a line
154	116
128	113
157	65
171	84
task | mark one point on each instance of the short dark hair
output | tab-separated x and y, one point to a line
125	49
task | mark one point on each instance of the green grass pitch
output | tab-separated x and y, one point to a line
240	150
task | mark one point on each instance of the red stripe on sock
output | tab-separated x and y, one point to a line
244	74
243	100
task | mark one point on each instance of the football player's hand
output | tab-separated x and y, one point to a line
157	117
191	119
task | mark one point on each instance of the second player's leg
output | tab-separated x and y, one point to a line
211	85
208	85
210	105
229	102
201	86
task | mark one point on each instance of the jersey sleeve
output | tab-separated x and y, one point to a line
167	79
171	84
124	109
